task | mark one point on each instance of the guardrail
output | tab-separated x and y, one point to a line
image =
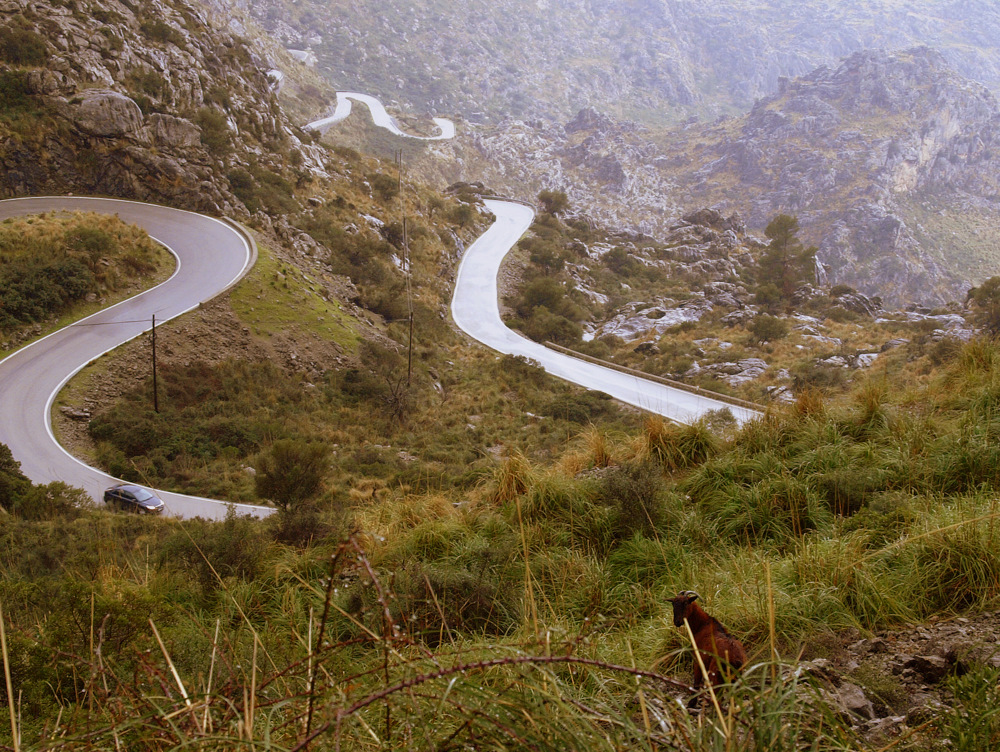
659	379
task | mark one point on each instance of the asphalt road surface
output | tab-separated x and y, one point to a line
380	117
211	254
476	311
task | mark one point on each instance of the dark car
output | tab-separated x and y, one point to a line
133	499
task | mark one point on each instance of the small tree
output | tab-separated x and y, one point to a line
291	472
786	263
985	303
766	328
553	202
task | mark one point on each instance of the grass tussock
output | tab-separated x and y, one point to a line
544	580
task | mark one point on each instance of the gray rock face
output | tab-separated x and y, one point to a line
868	154
104	113
104	70
170	131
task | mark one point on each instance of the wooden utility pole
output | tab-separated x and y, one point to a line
156	395
409	304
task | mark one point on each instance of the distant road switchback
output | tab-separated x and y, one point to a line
475	309
212	255
380	117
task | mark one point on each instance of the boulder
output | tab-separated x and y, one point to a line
170	131
105	113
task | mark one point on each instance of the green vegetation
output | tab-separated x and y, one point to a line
50	265
985	301
158	30
535	592
215	133
22	46
785	264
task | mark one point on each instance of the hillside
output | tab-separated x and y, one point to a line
466	553
888	160
648	61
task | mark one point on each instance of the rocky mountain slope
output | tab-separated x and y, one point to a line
890	161
150	100
647	60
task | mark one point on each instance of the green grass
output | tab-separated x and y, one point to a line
475	611
276	296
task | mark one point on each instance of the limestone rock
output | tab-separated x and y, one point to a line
105	113
170	131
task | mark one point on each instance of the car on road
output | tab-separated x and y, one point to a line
132	498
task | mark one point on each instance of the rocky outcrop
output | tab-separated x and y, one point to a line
104	113
889	161
150	105
666	61
173	132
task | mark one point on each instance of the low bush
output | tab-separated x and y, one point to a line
158	30
22	47
291	471
636	494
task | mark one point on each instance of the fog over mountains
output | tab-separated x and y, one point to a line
648	60
874	122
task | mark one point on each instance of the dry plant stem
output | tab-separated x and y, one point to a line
10	689
444	622
93	670
907	735
481	666
177	677
322	628
253	693
770	621
211	671
928	534
528	589
642	695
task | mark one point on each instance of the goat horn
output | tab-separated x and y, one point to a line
688	594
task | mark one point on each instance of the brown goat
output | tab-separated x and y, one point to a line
721	653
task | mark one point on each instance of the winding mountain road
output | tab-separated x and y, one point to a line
211	256
475	309
380	117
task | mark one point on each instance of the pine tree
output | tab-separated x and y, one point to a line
786	263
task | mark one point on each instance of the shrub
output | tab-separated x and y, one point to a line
384	187
545	326
553	202
242	184
766	328
674	446
217	552
13	483
636	494
15	94
34	288
291	471
50	501
158	30
444	598
24	47
215	134
583	408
